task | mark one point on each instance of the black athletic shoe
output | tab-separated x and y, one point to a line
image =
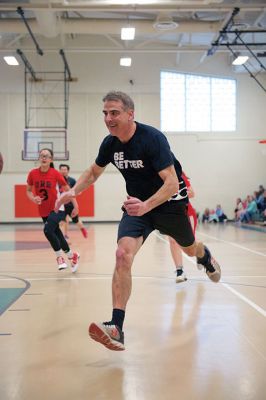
109	335
180	276
212	268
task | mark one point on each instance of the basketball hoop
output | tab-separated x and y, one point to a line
263	148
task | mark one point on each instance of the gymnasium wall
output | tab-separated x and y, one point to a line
222	166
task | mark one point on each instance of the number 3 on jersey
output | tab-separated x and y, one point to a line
44	194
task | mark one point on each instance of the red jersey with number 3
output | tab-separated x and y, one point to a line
46	185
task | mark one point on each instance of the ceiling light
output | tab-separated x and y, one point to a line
164	23
125	61
240	60
11	60
127	33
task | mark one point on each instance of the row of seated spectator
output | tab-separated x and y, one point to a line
211	215
252	208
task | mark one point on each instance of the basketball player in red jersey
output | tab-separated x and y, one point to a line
174	247
42	188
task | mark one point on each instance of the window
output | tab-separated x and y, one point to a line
192	103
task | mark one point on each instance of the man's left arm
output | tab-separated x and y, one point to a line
136	207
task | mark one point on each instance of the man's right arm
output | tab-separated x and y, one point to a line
88	177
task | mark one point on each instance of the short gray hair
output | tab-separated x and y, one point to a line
128	103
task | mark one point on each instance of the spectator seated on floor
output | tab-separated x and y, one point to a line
213	216
264	217
206	215
260	201
220	214
238	209
263	208
250	211
245	203
261	189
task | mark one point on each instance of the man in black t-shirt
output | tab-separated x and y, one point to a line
142	155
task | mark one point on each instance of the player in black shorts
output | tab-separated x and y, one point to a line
64	169
142	155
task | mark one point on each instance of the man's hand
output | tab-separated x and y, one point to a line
135	206
64	198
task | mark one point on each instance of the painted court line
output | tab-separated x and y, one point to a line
245	299
80	278
235	292
233	244
99	277
85	278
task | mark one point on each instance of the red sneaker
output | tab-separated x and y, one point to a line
74	261
84	232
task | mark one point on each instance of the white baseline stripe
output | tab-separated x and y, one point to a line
233	244
245	299
81	278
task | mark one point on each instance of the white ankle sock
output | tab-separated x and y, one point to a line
69	254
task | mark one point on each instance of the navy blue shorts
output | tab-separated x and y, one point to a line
170	218
55	218
68	210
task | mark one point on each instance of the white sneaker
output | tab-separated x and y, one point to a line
180	276
61	263
199	266
74	261
212	268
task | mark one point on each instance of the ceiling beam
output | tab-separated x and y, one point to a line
162	6
107	26
169	50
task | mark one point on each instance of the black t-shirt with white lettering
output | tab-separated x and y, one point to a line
139	161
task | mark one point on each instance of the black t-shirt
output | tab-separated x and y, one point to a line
139	160
71	181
